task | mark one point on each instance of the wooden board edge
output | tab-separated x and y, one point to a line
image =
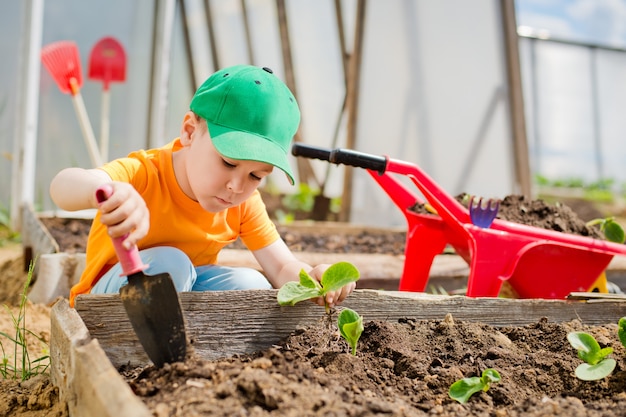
222	324
82	371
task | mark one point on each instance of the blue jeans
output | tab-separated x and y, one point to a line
186	277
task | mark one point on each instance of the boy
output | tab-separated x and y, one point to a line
183	202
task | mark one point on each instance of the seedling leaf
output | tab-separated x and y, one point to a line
463	389
613	231
350	325
621	330
588	348
335	277
339	274
294	292
308	281
600	370
597	365
489	376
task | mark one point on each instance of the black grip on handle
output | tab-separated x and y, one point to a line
342	156
311	152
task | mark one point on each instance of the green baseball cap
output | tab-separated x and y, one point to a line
250	113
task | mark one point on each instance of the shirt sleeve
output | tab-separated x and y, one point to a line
129	170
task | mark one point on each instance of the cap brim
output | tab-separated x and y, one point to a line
237	144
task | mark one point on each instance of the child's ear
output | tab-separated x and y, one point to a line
190	124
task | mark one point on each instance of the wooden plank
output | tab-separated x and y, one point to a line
591	296
87	381
225	323
36	239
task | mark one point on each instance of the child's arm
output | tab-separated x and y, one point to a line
281	266
75	188
125	212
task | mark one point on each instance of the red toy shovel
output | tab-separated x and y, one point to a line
107	63
151	302
62	61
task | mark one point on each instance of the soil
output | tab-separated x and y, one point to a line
402	368
36	396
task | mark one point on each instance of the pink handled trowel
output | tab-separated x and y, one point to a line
151	302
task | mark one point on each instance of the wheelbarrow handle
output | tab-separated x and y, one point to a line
341	156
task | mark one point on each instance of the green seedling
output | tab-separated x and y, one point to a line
611	229
621	330
350	325
335	277
597	365
15	359
463	389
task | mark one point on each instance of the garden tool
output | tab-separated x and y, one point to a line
537	263
107	63
62	61
482	214
151	303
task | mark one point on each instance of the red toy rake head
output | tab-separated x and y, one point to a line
62	61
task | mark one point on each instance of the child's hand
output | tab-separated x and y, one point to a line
125	212
333	298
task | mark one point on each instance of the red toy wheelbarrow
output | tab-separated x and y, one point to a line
537	263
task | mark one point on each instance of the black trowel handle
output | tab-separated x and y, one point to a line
129	258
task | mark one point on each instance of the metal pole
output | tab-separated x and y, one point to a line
212	41
354	76
188	49
246	25
165	11
25	140
516	99
305	170
597	131
535	110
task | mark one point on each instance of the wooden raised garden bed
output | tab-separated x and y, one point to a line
91	342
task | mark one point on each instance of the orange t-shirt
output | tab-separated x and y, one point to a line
175	219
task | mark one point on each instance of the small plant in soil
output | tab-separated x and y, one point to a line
621	330
612	230
335	277
15	360
350	324
597	365
463	389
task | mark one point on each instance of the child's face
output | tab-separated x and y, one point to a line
215	181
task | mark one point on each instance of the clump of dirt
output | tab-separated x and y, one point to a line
401	368
13	278
537	213
35	397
